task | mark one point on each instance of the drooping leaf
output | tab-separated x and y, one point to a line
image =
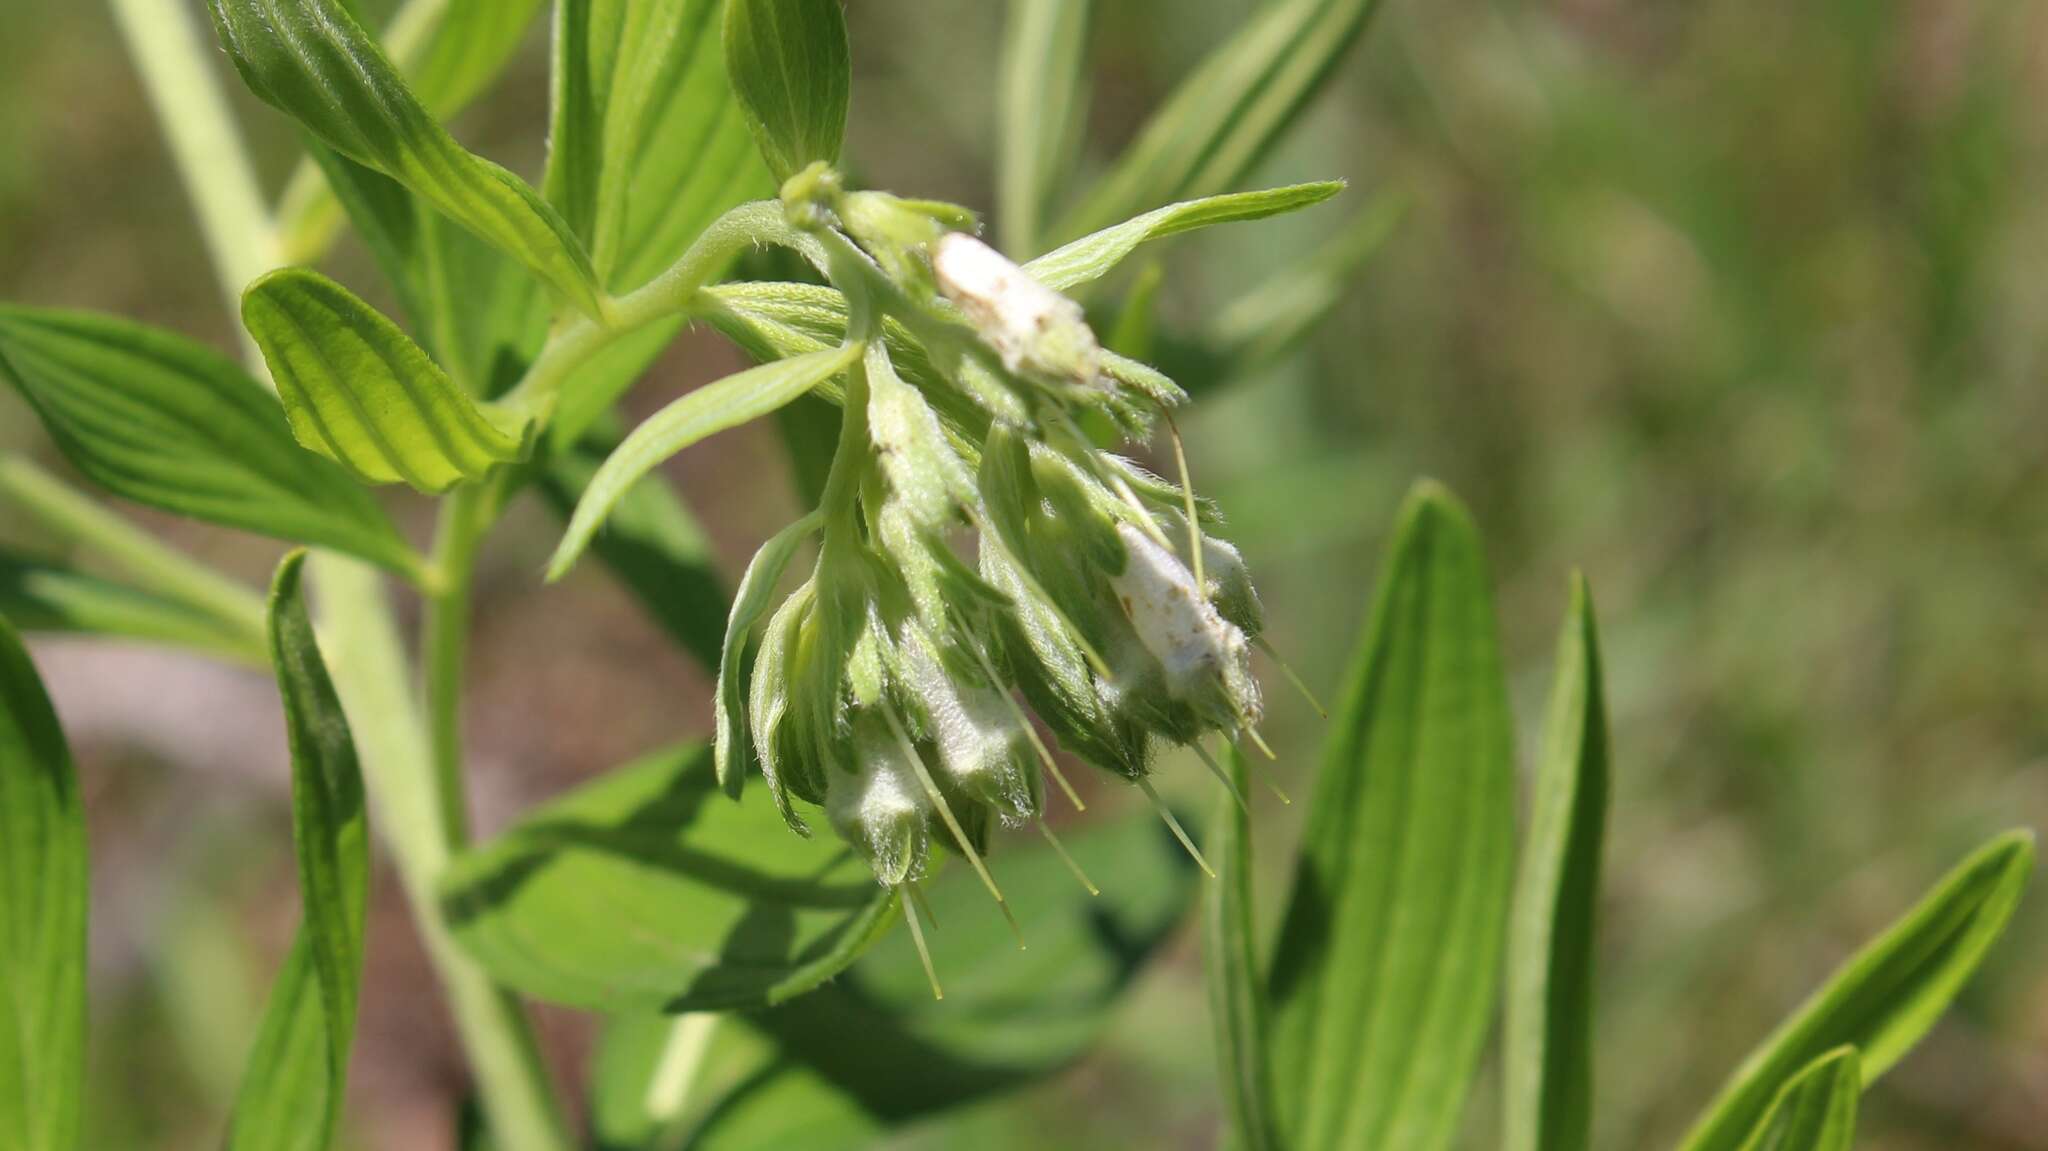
43	896
1388	962
1887	995
1237	990
734	747
649	890
1044	97
653	546
42	596
649	144
1092	256
710	409
1230	111
1816	1110
1548	1059
360	392
792	69
873	1050
312	61
449	51
291	1096
164	421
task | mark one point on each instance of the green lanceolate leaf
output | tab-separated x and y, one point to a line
1044	95
291	1096
164	421
1885	997
1275	316
873	1049
734	748
649	144
653	545
710	409
360	392
1388	964
1237	990
310	59
1229	112
1091	257
1549	1047
42	596
42	916
648	890
1816	1111
791	67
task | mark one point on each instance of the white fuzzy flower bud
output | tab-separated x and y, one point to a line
1206	658
1036	331
880	810
981	745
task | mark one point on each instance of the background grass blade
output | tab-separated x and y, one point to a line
1816	1111
1229	112
43	897
707	411
1091	257
1237	991
310	60
1043	99
43	596
792	69
1388	963
291	1096
1886	996
360	392
1548	1051
165	421
650	891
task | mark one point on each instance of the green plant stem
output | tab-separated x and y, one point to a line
358	628
466	518
87	523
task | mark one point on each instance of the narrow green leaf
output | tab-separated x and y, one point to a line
310	59
873	1049
43	897
734	748
42	596
1237	990
648	144
710	409
1043	100
164	421
1091	257
648	890
653	545
360	392
291	1096
1887	995
792	69
1816	1110
1230	111
1388	963
1275	316
1548	1053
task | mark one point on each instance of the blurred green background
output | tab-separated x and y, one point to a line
1739	305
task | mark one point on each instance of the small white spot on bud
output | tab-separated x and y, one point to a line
1033	328
1203	654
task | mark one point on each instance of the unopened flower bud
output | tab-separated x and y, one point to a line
980	741
1206	658
1037	332
880	808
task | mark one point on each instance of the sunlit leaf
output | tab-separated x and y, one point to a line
1548	1053
42	596
710	409
1816	1111
164	421
292	1094
42	916
1091	257
1044	97
360	392
1229	112
790	66
1388	964
1887	995
311	60
649	890
1237	989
